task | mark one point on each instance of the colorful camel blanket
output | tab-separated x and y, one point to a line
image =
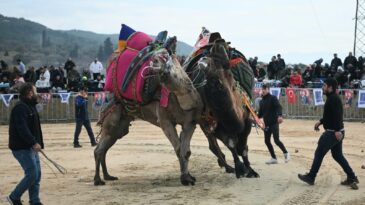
130	44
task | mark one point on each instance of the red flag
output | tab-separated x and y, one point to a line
290	92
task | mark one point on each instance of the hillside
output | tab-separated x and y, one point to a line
38	45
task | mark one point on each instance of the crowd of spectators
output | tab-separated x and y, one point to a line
348	73
67	78
50	79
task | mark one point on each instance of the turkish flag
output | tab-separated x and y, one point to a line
290	92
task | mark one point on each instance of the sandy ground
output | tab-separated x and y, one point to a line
148	170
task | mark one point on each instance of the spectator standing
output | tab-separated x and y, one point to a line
336	61
253	64
69	65
272	68
281	66
82	118
261	73
317	68
21	66
350	60
25	141
95	68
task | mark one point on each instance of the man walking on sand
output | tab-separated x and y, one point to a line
25	141
270	110
332	137
82	118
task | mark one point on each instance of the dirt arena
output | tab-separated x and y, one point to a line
148	170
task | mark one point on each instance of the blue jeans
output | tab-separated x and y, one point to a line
86	123
326	142
29	160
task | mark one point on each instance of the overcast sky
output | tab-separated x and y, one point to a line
301	30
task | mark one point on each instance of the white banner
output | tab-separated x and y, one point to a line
361	101
64	97
7	98
275	92
318	97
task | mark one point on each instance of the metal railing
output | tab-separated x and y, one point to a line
54	111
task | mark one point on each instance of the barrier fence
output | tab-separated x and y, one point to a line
297	103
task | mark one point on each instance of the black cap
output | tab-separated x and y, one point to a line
331	82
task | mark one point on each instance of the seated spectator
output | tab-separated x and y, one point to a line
73	78
261	73
341	77
30	76
4	85
58	84
43	84
18	81
96	85
295	79
307	74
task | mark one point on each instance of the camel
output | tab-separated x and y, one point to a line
225	116
184	108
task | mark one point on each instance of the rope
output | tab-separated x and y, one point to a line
60	168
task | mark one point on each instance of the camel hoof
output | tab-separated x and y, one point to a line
110	178
252	174
240	170
99	182
187	179
229	169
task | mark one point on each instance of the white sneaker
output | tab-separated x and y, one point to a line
287	157
272	161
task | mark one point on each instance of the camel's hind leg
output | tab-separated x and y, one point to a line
115	126
214	147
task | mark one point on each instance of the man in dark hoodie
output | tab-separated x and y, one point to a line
332	138
25	141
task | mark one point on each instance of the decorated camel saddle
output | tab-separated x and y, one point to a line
238	63
130	64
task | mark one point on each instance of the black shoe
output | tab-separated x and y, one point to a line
306	178
14	202
350	181
77	146
93	144
38	203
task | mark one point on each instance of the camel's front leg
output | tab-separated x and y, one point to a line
185	138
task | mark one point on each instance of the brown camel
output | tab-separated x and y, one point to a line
225	116
184	108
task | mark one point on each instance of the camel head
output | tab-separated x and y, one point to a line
173	76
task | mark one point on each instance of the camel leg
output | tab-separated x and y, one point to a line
115	127
214	147
185	139
243	149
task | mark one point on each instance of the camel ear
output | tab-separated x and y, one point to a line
170	45
219	52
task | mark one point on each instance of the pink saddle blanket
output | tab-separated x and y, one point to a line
119	65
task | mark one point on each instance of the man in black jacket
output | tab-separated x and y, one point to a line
25	141
270	110
332	138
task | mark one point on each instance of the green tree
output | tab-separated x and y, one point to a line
108	48
100	54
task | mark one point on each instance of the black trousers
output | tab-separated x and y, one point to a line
87	125
273	130
327	142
